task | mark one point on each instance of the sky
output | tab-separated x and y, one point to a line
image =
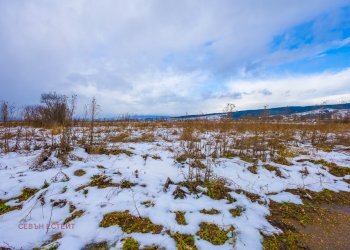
176	57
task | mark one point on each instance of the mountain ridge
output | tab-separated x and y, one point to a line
287	110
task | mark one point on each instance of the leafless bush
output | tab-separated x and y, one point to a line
55	110
6	113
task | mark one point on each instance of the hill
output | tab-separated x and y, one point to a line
284	111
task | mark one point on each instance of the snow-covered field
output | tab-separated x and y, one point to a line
38	193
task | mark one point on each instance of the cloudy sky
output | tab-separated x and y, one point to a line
173	57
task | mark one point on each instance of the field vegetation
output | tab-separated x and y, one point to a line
172	184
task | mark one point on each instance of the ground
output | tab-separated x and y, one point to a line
177	187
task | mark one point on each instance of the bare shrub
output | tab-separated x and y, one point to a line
6	113
55	110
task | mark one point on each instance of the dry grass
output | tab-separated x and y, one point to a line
180	218
212	233
184	241
74	215
130	223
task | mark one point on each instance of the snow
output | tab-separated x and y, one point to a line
286	197
15	174
335	113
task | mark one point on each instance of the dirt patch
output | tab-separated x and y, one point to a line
325	235
322	222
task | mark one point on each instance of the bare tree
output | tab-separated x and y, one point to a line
229	110
66	140
93	109
56	108
6	112
71	107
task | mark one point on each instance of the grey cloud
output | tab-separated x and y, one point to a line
265	92
62	45
105	79
233	96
